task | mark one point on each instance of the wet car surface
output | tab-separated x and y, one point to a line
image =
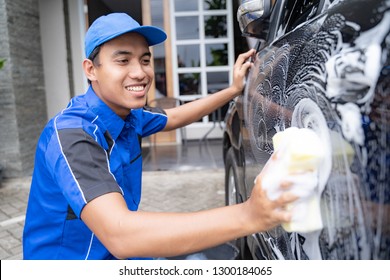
322	65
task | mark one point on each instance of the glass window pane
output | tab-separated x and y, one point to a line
216	54
156	6
185	5
189	83
217	81
215	26
214	4
188	56
187	28
160	75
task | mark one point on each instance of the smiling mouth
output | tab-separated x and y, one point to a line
135	88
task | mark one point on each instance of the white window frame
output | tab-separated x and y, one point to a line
198	129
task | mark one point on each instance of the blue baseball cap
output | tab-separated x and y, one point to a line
113	25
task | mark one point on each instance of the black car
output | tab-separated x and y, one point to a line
322	65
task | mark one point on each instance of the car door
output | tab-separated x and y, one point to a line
326	67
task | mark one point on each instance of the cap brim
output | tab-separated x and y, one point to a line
152	34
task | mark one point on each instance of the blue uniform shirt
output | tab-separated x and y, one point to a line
84	152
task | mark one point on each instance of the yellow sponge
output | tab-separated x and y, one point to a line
300	153
302	146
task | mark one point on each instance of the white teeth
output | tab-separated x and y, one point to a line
135	88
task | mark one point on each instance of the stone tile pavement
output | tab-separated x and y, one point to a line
162	191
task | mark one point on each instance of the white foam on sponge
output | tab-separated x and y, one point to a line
299	154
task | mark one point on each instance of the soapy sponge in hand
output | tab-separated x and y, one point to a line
300	153
301	147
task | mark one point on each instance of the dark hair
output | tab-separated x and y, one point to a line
94	57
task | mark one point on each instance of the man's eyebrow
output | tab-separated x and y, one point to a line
116	53
121	52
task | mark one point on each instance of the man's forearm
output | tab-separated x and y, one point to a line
195	110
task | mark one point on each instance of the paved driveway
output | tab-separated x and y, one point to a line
162	191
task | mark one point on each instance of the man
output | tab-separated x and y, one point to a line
86	183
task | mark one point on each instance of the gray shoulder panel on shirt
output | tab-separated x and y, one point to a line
155	110
88	162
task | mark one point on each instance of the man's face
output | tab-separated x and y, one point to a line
124	73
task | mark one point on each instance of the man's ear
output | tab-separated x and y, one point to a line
89	69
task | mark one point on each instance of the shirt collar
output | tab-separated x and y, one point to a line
113	123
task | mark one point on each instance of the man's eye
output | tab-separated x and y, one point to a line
123	61
146	61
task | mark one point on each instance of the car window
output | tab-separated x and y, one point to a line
299	11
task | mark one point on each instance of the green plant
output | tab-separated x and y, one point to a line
2	61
